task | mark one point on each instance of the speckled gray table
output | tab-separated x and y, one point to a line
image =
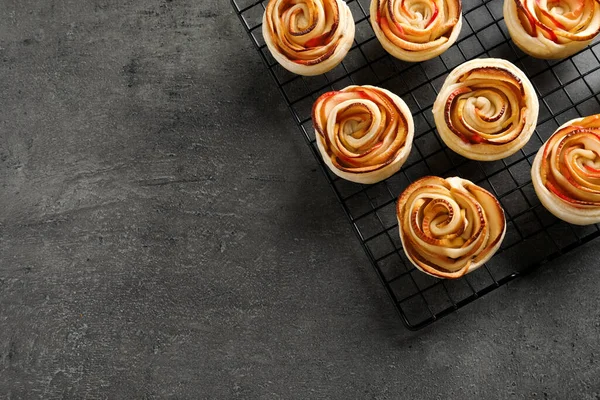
164	236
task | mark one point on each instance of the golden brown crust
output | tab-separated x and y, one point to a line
566	171
416	30
449	227
308	37
364	133
486	109
552	29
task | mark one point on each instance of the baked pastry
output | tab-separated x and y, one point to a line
416	30
449	227
566	171
552	29
308	37
486	110
364	133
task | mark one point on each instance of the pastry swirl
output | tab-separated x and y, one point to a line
566	171
552	28
308	37
416	30
364	133
486	110
449	227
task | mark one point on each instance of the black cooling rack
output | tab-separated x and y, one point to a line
567	89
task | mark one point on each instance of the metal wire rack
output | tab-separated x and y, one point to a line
566	88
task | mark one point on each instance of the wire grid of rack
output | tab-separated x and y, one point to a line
567	89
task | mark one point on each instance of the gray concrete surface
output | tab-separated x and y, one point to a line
165	234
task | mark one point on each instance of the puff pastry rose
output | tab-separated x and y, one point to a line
486	110
566	172
449	227
552	28
308	37
364	133
416	30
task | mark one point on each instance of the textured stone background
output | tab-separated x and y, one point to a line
165	233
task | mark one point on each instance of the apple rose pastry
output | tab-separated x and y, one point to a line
449	227
486	110
552	28
416	30
364	133
566	172
308	37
